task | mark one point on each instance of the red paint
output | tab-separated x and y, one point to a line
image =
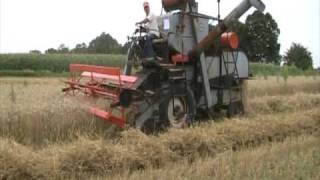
105	82
180	58
125	79
96	69
109	117
230	40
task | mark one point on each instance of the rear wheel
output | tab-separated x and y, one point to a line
239	107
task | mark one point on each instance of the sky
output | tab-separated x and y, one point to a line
41	24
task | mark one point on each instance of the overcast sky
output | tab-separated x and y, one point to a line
40	24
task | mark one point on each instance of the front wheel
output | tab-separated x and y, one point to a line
179	109
133	62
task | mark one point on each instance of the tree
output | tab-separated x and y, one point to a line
262	38
104	44
80	48
51	51
34	52
299	56
63	49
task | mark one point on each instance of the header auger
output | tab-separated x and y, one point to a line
197	68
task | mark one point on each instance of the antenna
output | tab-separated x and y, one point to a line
218	10
0	23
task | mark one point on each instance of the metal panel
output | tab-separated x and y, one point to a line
213	64
205	80
182	40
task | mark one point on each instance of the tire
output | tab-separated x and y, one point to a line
244	95
133	59
239	107
150	127
178	110
235	108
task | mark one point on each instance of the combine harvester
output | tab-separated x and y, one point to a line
198	68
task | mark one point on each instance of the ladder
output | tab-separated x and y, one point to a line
233	84
231	61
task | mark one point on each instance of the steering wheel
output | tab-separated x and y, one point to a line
140	29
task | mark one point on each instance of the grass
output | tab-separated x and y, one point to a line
44	65
31	73
35	111
295	158
59	119
273	70
275	86
44	134
52	63
135	151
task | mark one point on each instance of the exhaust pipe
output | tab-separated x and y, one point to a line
170	5
242	8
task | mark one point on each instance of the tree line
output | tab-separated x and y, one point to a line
102	44
258	35
259	40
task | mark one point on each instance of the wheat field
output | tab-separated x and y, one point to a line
47	135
